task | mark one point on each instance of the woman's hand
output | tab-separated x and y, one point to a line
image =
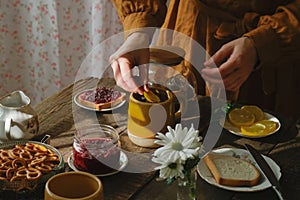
235	62
133	53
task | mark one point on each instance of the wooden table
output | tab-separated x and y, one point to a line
58	116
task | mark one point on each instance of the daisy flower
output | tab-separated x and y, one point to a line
169	169
181	143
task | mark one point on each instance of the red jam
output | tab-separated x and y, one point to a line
96	155
101	95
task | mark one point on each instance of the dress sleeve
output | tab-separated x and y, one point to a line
136	14
277	36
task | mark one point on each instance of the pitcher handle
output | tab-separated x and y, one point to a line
7	127
8	124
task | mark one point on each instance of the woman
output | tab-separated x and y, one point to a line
254	44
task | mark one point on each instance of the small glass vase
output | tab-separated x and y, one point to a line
186	187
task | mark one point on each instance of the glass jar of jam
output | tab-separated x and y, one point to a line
96	149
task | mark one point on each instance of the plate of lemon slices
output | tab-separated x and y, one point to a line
250	121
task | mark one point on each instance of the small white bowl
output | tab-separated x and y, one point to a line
143	142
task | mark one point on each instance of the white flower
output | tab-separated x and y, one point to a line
179	152
178	144
169	169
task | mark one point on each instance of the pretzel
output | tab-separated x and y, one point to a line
39	154
30	173
35	147
44	168
6	164
18	163
52	163
16	152
37	161
10	173
19	152
26	155
13	153
52	157
4	155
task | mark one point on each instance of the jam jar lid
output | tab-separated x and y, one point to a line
96	131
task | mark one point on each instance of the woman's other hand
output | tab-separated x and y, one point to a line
235	62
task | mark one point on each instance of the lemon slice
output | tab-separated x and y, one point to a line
241	117
263	127
270	125
258	113
151	97
253	130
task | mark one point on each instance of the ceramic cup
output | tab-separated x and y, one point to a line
73	186
145	119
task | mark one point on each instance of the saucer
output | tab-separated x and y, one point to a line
123	164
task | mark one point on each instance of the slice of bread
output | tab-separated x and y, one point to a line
231	171
99	106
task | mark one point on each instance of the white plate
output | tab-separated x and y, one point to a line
123	163
205	173
235	130
93	109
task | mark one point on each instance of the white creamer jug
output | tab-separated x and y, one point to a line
17	119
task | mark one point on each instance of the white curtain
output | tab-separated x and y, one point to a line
44	42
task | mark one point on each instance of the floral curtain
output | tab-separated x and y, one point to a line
44	42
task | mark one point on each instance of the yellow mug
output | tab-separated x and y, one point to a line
73	186
145	119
